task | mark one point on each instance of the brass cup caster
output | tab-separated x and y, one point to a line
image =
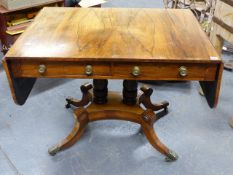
53	150
172	156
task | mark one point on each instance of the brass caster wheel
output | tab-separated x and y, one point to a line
53	150
171	157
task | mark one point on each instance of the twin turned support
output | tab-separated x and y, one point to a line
100	91
106	105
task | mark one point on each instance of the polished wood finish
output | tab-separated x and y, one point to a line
145	100
211	89
81	34
100	91
116	70
159	52
113	42
81	120
114	35
116	110
86	98
20	87
130	92
101	44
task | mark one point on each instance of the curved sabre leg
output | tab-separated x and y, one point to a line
148	119
81	121
86	97
146	101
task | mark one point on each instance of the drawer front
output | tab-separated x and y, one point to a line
60	69
121	70
166	71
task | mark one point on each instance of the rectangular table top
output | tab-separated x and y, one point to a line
114	34
164	44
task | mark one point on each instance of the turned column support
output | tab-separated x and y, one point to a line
100	91
130	90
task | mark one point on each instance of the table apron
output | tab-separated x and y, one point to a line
115	70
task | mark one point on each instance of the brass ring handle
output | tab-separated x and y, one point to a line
88	70
136	71
41	69
183	71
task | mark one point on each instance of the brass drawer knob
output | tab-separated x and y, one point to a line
183	71
41	69
136	71
88	70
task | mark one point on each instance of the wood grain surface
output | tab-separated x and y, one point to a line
158	42
79	34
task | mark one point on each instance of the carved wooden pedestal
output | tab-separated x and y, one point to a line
115	109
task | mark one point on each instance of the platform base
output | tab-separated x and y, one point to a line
87	111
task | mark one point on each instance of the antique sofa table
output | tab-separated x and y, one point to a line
102	44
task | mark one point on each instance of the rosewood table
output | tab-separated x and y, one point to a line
102	44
